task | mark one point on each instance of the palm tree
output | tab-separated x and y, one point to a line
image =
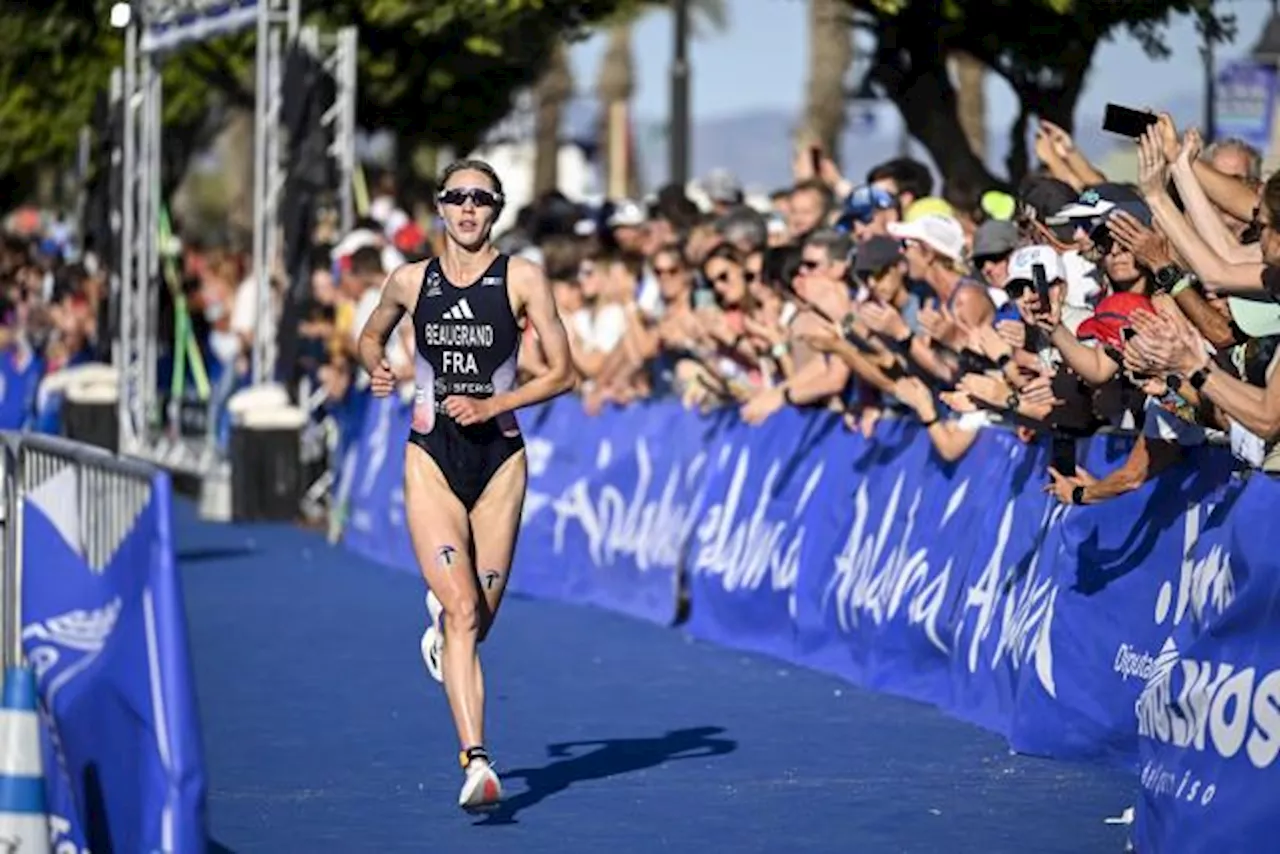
614	88
830	55
615	85
553	90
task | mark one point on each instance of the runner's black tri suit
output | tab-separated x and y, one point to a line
467	342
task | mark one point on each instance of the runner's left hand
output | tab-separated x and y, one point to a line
468	410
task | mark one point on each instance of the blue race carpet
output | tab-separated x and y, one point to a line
324	733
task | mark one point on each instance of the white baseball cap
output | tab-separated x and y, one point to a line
943	234
1022	264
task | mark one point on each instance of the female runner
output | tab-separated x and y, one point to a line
464	466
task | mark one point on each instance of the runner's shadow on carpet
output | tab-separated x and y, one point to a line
604	759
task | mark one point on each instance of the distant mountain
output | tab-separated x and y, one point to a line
756	146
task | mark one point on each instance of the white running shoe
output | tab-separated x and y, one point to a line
482	790
433	639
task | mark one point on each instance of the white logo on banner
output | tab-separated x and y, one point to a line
903	577
1024	607
649	528
62	647
1219	707
1201	584
744	548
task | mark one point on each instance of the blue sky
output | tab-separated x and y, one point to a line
759	61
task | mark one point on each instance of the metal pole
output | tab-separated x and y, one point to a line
151	320
124	353
262	69
265	328
14	494
679	141
348	40
11	546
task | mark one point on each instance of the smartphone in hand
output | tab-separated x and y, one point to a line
1064	456
1126	121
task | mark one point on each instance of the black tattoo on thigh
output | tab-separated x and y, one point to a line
491	578
446	556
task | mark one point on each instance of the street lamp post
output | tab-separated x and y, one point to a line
679	136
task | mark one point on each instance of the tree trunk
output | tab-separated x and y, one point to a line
910	66
553	90
971	101
830	55
235	151
1057	103
614	88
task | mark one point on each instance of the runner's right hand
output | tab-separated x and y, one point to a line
382	382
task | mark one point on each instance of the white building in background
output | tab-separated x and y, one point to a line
513	160
509	147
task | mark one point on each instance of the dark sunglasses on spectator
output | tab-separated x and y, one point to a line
1016	289
810	266
979	260
477	196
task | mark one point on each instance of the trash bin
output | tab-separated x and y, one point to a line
266	464
90	414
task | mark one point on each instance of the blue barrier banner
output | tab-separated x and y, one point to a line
1006	599
822	621
1208	718
609	506
374	486
105	630
1112	563
1102	632
745	554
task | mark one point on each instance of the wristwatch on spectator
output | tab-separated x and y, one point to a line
1077	494
899	345
1199	377
780	349
1168	276
846	325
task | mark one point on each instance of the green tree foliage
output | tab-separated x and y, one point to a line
445	72
1043	48
436	71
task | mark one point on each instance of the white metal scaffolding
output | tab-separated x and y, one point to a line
157	27
337	54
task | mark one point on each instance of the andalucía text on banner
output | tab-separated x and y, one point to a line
959	584
105	630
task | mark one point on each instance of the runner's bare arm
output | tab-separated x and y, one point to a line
377	330
534	292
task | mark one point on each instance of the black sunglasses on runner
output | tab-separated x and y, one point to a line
459	196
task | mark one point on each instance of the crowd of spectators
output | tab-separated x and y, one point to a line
1070	305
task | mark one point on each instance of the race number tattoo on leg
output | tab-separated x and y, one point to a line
491	578
446	556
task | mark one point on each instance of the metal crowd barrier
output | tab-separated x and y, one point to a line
108	491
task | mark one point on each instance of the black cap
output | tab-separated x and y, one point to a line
1040	198
875	254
